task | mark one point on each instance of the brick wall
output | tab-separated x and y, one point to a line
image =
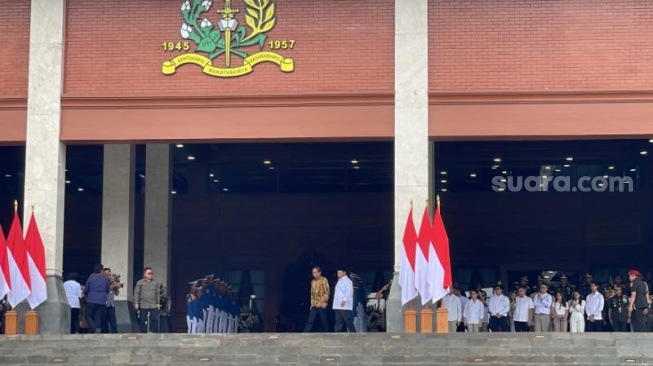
115	48
14	41
540	44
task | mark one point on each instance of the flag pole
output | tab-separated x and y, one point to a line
11	316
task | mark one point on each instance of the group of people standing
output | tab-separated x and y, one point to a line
94	303
620	308
347	303
211	307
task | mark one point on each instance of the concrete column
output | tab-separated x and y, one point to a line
118	223
45	155
158	175
411	131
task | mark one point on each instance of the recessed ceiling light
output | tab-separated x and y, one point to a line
225	189
501	189
557	170
180	145
216	181
443	181
142	176
272	168
444	172
606	176
633	170
67	182
643	152
611	167
354	161
545	176
495	167
547	167
651	141
504	172
191	157
211	175
443	190
173	192
497	160
7	175
357	167
502	179
80	189
569	158
267	162
473	175
566	165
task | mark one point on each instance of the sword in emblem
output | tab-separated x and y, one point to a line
227	25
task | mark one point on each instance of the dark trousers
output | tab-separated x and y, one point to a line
344	318
639	321
152	321
596	326
74	320
110	323
94	316
499	324
311	319
619	326
521	327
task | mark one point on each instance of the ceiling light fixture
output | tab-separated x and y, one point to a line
547	167
557	170
444	172
225	189
357	167
611	167
191	157
211	175
566	165
473	175
443	190
173	192
643	152
80	189
67	182
7	175
180	145
354	161
569	158
497	160
216	181
267	162
633	170
504	172
443	181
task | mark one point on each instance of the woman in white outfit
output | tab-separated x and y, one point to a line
486	313
559	313
473	313
576	311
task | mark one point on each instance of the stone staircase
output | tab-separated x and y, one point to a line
588	349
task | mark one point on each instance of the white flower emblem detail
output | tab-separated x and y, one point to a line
185	6
207	4
206	23
186	30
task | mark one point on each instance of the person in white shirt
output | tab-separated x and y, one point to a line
451	302
343	302
542	301
594	309
473	313
73	293
576	313
523	311
498	307
559	313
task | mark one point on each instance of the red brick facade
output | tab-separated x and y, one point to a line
540	45
14	40
115	48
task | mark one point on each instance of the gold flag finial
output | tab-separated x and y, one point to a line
437	198
15	206
32	208
411	203
426	201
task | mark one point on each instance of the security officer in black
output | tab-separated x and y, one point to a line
565	288
618	310
608	295
585	289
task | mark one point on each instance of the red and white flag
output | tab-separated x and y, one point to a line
422	258
5	278
36	260
439	274
407	269
18	264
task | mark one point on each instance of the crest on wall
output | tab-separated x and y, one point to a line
217	42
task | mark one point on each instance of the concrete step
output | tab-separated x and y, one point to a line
609	349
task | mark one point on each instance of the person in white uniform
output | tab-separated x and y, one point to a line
343	302
473	312
451	302
576	313
523	316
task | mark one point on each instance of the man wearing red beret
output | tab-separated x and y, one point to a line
638	309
